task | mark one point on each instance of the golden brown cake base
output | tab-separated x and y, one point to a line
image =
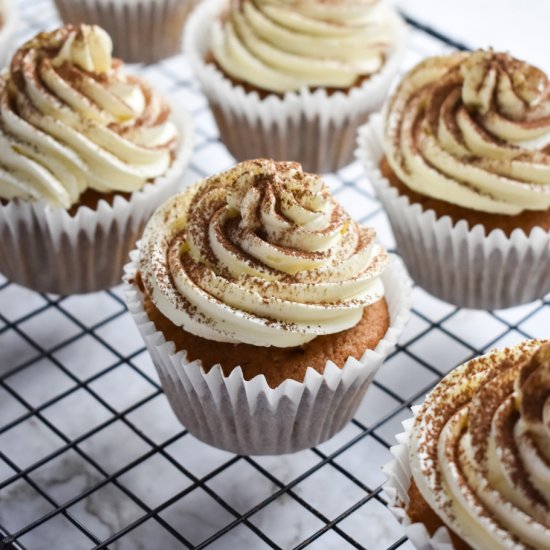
277	364
526	221
91	198
419	511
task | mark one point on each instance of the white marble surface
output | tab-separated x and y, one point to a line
115	409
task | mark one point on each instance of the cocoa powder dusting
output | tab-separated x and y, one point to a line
276	364
487	387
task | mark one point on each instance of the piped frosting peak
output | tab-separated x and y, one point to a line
71	119
261	254
480	448
88	47
473	129
286	45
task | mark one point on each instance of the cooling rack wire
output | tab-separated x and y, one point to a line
92	457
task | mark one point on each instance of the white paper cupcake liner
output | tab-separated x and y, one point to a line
249	417
9	16
142	30
48	250
396	488
317	128
461	265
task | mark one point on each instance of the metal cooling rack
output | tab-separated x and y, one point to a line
92	457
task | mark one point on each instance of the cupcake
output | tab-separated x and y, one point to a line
461	162
266	309
143	31
293	80
88	153
473	469
8	24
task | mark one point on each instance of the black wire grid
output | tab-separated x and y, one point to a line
92	457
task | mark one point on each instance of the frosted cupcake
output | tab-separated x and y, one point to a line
461	162
8	25
266	309
473	470
88	153
293	80
143	31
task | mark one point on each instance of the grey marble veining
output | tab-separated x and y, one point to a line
134	461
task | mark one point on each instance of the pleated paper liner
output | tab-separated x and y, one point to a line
396	488
46	249
9	18
143	31
459	264
316	128
249	417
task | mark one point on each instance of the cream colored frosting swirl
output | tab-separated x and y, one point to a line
286	45
71	119
261	254
480	449
473	129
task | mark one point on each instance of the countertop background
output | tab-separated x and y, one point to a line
517	26
92	456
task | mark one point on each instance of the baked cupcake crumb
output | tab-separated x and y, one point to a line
276	364
526	220
419	511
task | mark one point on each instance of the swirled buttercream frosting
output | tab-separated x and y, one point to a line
473	129
71	120
480	449
286	45
262	255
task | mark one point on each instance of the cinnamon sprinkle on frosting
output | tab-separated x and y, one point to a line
473	129
480	448
72	121
261	254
